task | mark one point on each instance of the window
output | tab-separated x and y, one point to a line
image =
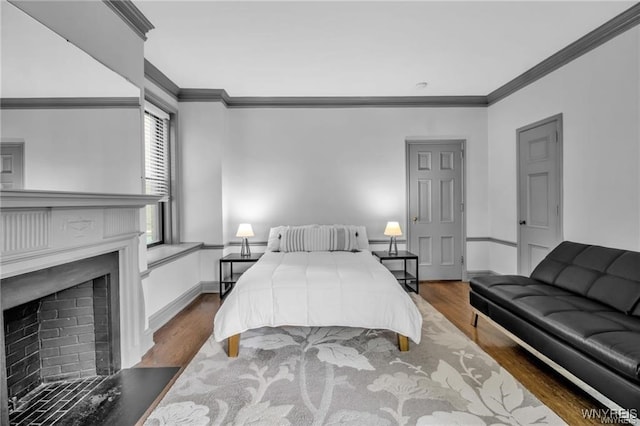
157	179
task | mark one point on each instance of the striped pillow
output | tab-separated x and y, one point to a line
318	238
292	239
343	238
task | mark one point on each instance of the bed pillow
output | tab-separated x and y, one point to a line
362	239
343	238
275	235
292	239
318	238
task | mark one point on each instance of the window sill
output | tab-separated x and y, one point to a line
165	253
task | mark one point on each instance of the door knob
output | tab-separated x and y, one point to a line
414	219
523	222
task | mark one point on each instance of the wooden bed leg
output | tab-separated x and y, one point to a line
403	343
233	346
474	319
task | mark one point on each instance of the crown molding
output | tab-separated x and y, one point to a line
151	97
157	77
357	101
131	15
204	95
220	95
69	103
610	29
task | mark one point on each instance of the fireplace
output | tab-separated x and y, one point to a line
67	334
70	288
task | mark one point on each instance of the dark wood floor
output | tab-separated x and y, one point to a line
562	396
179	340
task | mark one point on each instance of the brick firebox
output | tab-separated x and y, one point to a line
67	334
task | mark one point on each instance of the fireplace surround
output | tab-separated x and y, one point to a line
45	231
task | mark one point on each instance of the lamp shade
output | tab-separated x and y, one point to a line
245	230
393	229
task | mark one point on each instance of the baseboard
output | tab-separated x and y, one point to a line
480	273
161	317
174	307
210	286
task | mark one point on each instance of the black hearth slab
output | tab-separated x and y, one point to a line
121	399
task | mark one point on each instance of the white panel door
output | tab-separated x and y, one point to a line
11	165
435	208
539	191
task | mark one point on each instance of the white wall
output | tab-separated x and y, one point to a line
270	166
598	95
203	131
87	150
339	165
170	281
477	256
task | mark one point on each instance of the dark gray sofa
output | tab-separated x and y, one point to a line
580	309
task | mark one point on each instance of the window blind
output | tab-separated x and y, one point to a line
156	130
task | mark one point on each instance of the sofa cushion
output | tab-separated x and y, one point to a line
609	276
594	328
556	261
505	288
544	299
626	269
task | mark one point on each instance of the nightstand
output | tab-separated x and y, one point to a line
227	280
404	277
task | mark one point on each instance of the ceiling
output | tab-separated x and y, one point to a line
361	48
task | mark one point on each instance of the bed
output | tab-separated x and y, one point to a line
303	284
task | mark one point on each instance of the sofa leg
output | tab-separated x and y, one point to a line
233	346
474	319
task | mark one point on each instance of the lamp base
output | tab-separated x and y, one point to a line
245	251
393	247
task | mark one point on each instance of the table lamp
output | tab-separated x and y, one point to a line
393	230
244	231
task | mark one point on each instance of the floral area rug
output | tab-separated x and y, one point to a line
349	376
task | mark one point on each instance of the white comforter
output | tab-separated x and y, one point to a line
318	289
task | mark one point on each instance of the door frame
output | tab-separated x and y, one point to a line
463	222
559	170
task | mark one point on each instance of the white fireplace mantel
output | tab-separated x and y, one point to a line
42	229
34	198
37	226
